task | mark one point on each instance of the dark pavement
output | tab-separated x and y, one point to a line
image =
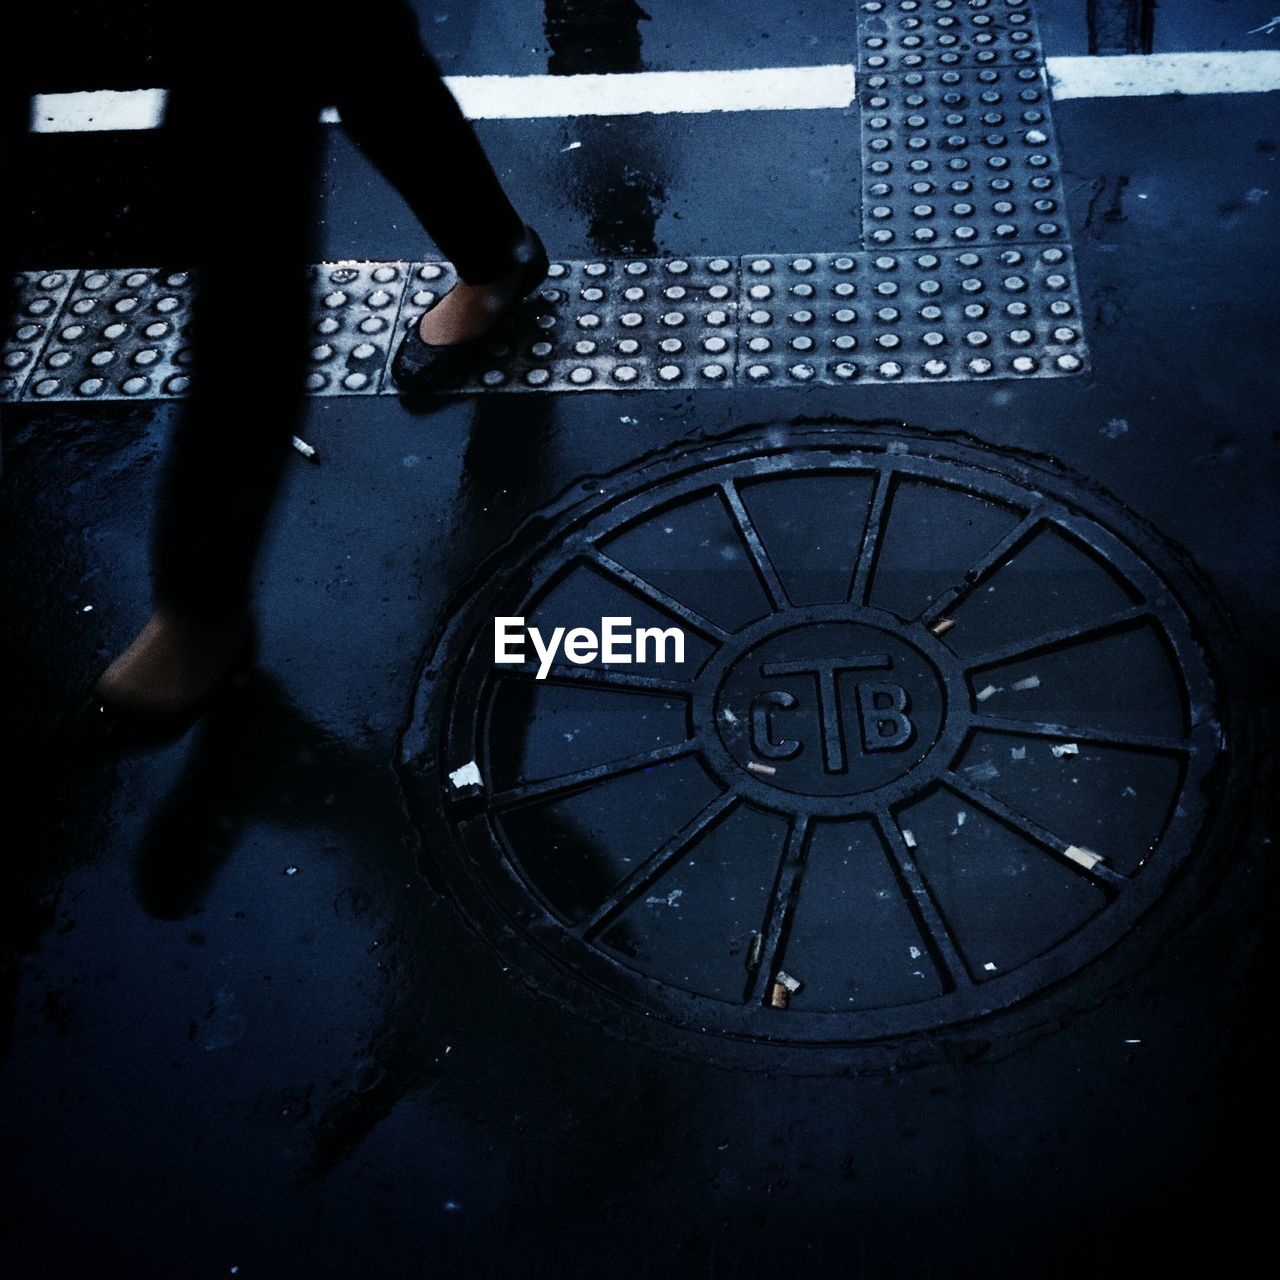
248	1032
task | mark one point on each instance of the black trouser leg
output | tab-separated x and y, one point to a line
245	153
245	189
402	116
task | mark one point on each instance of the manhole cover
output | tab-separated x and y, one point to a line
938	735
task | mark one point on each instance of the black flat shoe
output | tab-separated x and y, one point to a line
103	727
423	366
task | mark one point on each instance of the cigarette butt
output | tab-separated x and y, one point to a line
1085	857
983	694
755	950
1031	682
778	996
767	769
307	451
908	838
942	626
792	984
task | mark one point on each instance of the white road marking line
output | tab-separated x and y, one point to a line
694	92
1149	75
522	97
763	89
97	110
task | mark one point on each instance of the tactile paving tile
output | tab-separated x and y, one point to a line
354	321
798	313
121	335
610	325
916	315
918	35
960	157
41	295
920	317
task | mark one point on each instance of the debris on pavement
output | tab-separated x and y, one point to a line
1085	857
467	776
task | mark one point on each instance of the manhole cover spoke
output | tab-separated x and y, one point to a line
602	677
751	539
653	867
1066	733
1074	856
928	729
979	574
658	598
547	788
1063	638
943	950
872	538
765	984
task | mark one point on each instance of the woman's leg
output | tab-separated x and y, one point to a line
398	110
244	170
394	117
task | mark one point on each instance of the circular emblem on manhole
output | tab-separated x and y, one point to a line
897	734
826	709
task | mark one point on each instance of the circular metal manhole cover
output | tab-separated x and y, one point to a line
938	737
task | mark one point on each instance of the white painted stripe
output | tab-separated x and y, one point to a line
759	89
1150	75
522	97
755	89
97	110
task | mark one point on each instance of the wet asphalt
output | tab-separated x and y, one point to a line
245	1035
